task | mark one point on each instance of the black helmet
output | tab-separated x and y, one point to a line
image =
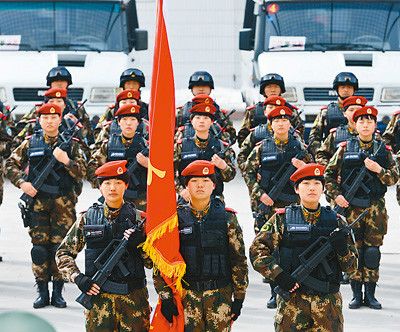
132	74
201	78
59	74
345	78
272	79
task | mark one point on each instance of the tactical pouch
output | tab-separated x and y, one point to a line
94	233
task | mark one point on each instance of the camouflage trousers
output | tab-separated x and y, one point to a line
398	193
311	313
369	232
208	311
119	313
51	220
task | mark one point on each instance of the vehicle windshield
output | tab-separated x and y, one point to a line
84	26
332	25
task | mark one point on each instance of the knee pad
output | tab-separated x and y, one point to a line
39	254
372	257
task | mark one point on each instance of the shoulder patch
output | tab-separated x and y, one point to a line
224	143
251	107
343	144
224	111
333	130
230	210
396	112
179	107
32	120
324	108
181	128
280	211
82	212
28	136
179	141
389	148
76	139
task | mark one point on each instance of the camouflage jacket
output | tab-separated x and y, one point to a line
74	242
252	167
392	131
388	176
238	262
18	161
227	174
270	237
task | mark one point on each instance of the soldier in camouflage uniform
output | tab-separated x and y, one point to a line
53	211
201	83
203	145
113	309
345	84
292	230
381	172
59	78
211	243
128	145
130	79
392	137
270	85
5	143
125	97
266	165
342	133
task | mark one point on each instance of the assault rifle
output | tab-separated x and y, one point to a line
351	189
313	256
280	178
105	263
26	201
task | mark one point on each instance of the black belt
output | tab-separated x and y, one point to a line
333	288
204	285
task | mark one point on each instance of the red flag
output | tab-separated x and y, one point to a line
162	244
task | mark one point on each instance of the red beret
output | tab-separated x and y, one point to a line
128	94
204	109
49	109
355	100
56	93
275	100
308	171
366	110
128	110
280	111
203	99
112	169
199	168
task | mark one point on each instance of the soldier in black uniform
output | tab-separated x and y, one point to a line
203	145
270	85
121	304
128	145
131	79
202	83
345	84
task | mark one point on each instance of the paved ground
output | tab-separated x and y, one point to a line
17	290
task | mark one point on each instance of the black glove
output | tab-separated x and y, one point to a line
169	309
285	281
136	238
236	308
339	243
83	282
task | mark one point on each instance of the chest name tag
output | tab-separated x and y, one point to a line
117	154
352	157
299	228
36	153
186	230
189	156
270	158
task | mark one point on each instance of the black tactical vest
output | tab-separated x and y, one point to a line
191	152
274	162
204	245
59	182
334	118
117	151
98	233
353	161
298	235
259	116
342	134
260	133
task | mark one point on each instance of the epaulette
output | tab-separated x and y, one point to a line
343	144
280	211
38	104
111	106
251	107
181	128
224	111
396	112
82	212
31	120
224	143
108	122
332	130
179	107
259	143
324	108
294	107
179	141
230	210
28	136
76	139
252	129
389	148
8	107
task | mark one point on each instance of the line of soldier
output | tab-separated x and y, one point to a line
273	155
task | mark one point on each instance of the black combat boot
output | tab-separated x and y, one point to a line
43	298
271	304
56	297
370	300
356	287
